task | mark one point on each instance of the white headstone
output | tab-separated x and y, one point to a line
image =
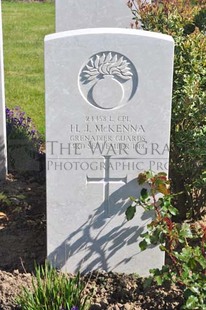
73	14
3	161
108	110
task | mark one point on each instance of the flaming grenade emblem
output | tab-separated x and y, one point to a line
108	80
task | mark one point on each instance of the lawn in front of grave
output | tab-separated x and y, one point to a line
24	28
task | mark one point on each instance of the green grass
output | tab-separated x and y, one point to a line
24	28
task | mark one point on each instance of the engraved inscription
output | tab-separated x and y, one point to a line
108	80
100	66
117	138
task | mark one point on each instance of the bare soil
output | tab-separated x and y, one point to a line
23	242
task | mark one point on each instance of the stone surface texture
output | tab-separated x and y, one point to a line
108	110
72	14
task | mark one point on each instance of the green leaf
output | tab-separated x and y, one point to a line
192	303
147	282
144	194
130	212
173	210
162	238
163	248
195	290
159	279
146	237
143	245
185	231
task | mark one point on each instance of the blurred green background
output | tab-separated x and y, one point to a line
24	26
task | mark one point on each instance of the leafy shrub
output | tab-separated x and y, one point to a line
184	244
23	141
53	290
184	20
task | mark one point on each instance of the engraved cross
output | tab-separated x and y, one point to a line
106	180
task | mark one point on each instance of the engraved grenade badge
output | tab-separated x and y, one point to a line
108	80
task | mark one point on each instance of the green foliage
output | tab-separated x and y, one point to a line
52	290
4	199
23	141
185	244
184	20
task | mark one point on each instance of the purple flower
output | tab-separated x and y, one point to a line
19	126
9	113
21	119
